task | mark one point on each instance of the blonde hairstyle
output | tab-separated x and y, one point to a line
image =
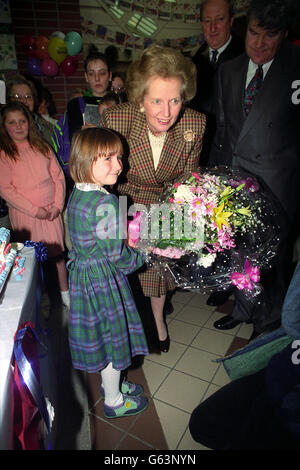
7	145
163	62
87	146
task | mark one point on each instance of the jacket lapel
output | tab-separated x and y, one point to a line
142	153
267	94
171	153
140	149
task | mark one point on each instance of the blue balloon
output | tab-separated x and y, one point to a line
34	66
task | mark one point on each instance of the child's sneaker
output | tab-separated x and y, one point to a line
130	406
128	388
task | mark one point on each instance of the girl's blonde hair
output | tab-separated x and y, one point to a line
87	146
7	145
163	62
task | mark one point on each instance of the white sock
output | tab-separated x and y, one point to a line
111	385
65	298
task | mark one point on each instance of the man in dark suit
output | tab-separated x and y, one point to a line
260	133
221	44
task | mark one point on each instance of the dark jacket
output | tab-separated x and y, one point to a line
265	143
204	100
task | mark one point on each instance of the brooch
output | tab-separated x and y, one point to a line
189	135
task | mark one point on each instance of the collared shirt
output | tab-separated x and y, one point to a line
252	69
220	50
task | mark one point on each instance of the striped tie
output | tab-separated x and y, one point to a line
214	55
253	88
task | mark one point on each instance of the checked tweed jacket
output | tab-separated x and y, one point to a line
180	152
140	181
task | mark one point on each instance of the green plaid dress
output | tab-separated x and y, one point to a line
104	325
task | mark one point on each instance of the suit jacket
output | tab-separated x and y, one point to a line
180	153
203	101
265	143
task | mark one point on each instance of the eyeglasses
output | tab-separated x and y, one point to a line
117	89
21	97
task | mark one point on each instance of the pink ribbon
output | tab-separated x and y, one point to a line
246	280
134	227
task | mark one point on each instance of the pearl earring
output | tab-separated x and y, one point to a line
142	109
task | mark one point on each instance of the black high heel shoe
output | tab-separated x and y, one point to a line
164	345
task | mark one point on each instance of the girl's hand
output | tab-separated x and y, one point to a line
53	213
42	213
129	242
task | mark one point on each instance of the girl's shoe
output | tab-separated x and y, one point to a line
164	345
130	406
129	389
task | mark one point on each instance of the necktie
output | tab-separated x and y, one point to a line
253	88
214	55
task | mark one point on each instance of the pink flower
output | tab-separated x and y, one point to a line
169	252
176	185
197	202
225	239
195	175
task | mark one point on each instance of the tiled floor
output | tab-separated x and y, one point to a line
175	383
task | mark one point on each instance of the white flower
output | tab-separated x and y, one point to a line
207	260
184	192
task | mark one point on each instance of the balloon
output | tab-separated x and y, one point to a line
49	67
34	66
57	50
58	34
73	41
68	66
28	45
41	47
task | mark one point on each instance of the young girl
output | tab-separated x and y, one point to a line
105	330
33	185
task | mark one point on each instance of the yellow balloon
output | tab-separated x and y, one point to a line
57	49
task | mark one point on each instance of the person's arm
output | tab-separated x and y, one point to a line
11	194
108	233
75	119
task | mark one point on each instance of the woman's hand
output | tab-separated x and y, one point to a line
53	213
42	213
129	242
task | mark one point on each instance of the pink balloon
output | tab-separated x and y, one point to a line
68	66
49	67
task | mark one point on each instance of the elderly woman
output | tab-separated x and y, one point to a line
164	139
18	88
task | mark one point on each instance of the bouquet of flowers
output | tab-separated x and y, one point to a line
211	229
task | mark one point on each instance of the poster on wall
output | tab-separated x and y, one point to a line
8	59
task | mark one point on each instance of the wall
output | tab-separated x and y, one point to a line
42	17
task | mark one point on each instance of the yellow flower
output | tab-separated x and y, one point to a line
227	191
221	217
245	211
